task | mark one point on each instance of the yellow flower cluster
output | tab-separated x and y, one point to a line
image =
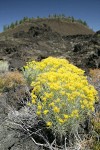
60	92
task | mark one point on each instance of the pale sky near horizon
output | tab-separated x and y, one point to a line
87	10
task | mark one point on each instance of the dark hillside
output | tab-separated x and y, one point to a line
62	27
40	38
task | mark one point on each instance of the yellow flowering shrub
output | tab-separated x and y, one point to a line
61	93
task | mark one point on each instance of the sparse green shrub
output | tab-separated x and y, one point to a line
98	35
61	93
5	27
54	16
96	145
4	66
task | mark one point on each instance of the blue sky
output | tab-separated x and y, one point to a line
87	10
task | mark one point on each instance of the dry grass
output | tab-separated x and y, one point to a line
11	79
15	77
95	79
95	74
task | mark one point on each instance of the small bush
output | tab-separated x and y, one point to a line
10	80
96	145
61	93
4	66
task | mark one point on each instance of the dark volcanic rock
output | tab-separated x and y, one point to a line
12	135
39	30
82	50
98	32
18	96
40	40
77	48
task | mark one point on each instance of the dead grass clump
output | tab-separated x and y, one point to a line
95	74
10	80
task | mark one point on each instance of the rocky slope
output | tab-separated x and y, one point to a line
38	40
43	38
